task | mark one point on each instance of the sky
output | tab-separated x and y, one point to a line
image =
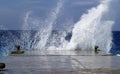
13	12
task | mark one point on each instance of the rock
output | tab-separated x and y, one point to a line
2	65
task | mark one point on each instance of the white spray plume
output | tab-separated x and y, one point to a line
92	30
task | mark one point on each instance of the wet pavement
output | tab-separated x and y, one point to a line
61	62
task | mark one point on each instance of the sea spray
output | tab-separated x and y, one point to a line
42	28
7	40
57	40
30	35
25	35
46	31
92	30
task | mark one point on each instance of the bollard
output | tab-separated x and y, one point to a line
2	65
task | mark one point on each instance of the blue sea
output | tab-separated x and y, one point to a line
116	42
10	37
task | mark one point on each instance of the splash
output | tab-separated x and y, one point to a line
92	29
49	23
7	41
45	28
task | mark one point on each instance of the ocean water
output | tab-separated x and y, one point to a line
116	42
37	34
10	38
